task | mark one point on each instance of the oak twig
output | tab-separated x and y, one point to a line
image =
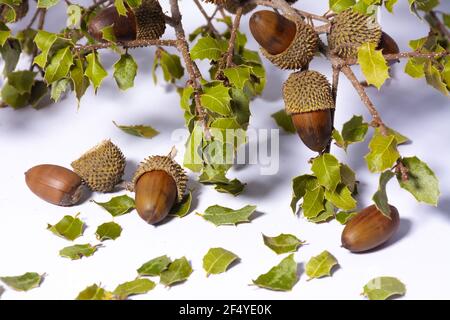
128	44
232	42
207	17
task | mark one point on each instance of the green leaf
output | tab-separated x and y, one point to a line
383	152
13	98
182	208
44	41
313	202
434	77
238	76
217	99
47	3
59	65
108	34
283	243
390	5
38	92
344	216
68	227
284	121
120	7
340	5
25	282
299	186
58	88
282	277
78	251
320	265
108	231
95	71
354	130
380	197
446	18
154	267
217	260
94	292
73	16
221	215
125	70
341	198
138	131
234	187
426	5
415	68
22	81
401	139
327	170
179	270
10	52
4	33
130	288
348	177
79	80
422	183
118	206
383	288
326	215
373	64
192	156
209	48
171	66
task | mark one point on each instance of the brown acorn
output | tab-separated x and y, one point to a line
159	183
55	184
232	5
307	97
144	22
369	229
289	44
388	46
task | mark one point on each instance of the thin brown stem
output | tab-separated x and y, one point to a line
334	90
403	55
439	25
207	17
128	44
33	18
232	42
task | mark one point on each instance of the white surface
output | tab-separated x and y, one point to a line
418	255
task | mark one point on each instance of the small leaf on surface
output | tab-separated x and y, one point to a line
118	206
321	265
94	292
108	231
78	251
179	270
217	260
134	287
68	227
282	277
24	282
221	215
383	288
283	243
154	267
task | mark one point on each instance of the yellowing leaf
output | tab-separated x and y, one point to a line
383	152
321	265
118	206
327	170
383	288
59	65
217	260
373	64
340	5
44	41
154	267
108	230
179	270
345	216
130	288
434	78
4	33
221	215
78	251
313	202
24	282
282	277
283	243
380	197
125	70
94	292
94	70
47	3
68	227
415	68
73	16
401	139
138	130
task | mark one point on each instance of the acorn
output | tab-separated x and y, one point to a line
146	22
232	5
388	46
55	184
369	229
159	183
287	43
308	99
349	30
102	167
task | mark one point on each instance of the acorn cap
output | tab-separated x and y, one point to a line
168	165
150	21
349	30
102	167
307	91
301	50
233	5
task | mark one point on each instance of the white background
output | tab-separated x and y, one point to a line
418	254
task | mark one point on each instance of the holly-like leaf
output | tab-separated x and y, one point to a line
234	187
10	52
238	76
44	41
154	267
94	292
59	65
179	270
138	130
24	282
415	68
383	152
94	70
78	251
380	197
217	260
422	183
216	99
283	243
282	277
73	16
299	186
320	265
326	215
171	66
68	227
222	216
208	48
79	80
340	5
313	202
182	208
58	88
341	197
344	216
125	70
284	121
401	139
47	3
390	5
383	288
355	130
22	80
327	170
434	78
373	64
130	288
108	231
118	206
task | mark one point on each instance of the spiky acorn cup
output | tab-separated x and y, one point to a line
232	5
146	22
349	30
287	43
308	99
102	167
159	183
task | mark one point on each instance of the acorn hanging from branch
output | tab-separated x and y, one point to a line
308	99
289	44
232	5
146	22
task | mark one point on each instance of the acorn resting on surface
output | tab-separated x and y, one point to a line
159	183
369	229
349	30
289	44
144	22
55	184
307	97
102	167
